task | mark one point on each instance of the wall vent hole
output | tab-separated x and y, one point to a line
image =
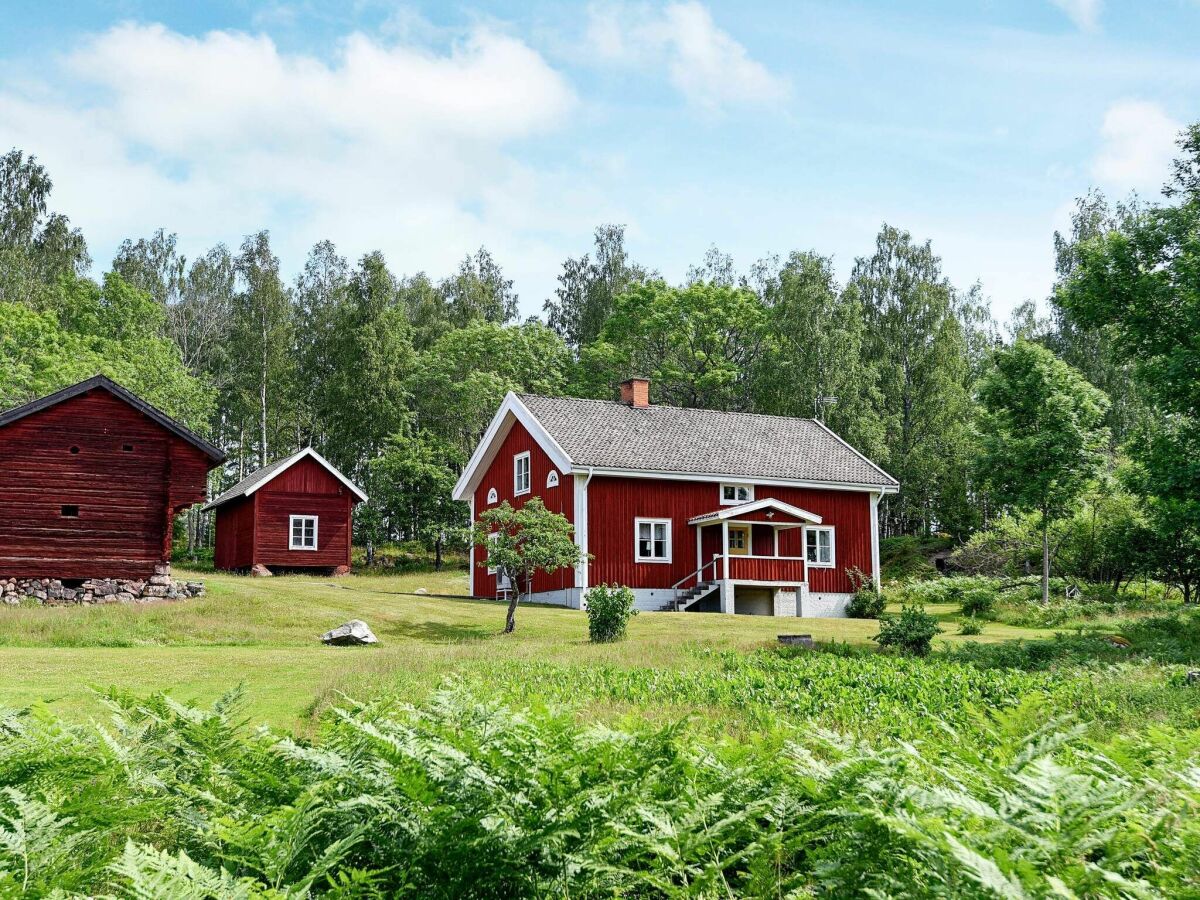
70	512
127	448
74	449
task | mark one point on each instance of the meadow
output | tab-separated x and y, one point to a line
695	758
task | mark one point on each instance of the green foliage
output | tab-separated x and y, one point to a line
975	600
971	625
815	337
521	542
867	602
910	632
459	383
698	344
411	485
470	799
904	557
609	609
917	345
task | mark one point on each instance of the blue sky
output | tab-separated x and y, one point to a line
428	129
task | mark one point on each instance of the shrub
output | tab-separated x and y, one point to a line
970	625
976	600
867	602
912	631
609	609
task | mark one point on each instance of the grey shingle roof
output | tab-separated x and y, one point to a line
263	474
612	435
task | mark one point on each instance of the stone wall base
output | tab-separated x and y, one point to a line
52	592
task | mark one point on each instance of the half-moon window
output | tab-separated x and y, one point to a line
552	478
493	496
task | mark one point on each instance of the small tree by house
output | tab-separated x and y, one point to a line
522	542
1040	435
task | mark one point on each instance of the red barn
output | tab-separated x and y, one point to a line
294	514
692	509
91	478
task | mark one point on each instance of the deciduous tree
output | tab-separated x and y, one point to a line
1040	435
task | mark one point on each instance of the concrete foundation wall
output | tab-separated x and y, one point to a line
824	606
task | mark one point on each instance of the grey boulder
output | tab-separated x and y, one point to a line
353	632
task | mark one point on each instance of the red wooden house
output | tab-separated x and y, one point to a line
91	478
692	509
293	514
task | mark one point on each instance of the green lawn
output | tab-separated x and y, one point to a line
263	633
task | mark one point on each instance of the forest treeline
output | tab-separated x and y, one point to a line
393	377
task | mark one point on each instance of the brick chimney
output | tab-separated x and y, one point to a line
635	392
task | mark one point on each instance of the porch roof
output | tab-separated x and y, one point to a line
791	514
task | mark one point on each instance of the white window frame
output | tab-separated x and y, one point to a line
748	488
493	497
552	478
517	492
816	529
292	545
492	538
637	544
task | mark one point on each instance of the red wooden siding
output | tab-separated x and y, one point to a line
235	534
614	503
756	568
560	499
126	499
306	489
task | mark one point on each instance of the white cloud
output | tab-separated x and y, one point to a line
708	66
1084	13
1139	144
385	145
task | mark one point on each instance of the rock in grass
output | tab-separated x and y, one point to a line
421	591
796	640
258	570
353	632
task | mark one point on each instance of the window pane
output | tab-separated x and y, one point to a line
743	493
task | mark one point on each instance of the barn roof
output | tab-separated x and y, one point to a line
609	435
255	480
105	383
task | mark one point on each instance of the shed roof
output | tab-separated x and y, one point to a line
257	479
106	383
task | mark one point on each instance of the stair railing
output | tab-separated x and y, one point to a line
677	586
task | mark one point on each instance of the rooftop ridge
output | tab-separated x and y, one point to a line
688	409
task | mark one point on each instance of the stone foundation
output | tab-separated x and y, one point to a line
52	592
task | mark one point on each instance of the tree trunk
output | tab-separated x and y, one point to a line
437	553
510	621
1045	557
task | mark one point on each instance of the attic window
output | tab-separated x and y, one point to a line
74	449
127	448
70	511
552	478
733	494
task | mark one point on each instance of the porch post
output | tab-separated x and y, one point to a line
725	549
699	561
726	584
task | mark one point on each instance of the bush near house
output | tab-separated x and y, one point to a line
609	609
910	632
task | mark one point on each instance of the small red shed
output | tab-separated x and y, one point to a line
294	513
91	478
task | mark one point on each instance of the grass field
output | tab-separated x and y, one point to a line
263	633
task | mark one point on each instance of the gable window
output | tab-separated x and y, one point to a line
818	547
552	478
521	473
732	494
303	533
493	496
652	540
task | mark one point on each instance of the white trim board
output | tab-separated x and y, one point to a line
732	512
510	411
